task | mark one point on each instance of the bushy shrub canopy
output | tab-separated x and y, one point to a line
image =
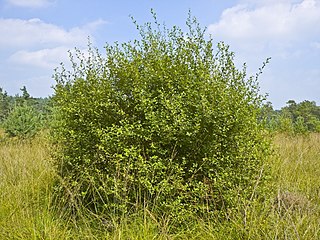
166	122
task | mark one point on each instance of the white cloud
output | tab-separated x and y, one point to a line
269	21
281	29
19	33
37	43
286	30
30	3
44	58
48	58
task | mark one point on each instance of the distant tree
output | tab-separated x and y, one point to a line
303	116
25	94
300	125
3	104
6	103
23	121
23	115
309	111
285	124
24	98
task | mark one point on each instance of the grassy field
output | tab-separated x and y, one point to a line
27	177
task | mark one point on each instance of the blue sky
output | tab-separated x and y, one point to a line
36	34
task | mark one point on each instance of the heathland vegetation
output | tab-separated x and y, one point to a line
160	138
29	208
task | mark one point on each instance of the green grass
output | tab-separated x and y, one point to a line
28	209
26	179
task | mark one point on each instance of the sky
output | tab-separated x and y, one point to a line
35	36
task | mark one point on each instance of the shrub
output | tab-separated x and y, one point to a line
23	122
166	122
300	126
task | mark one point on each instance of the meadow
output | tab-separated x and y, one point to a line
29	209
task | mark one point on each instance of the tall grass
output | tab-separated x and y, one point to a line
297	175
28	209
26	180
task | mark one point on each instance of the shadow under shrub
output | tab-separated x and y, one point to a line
165	123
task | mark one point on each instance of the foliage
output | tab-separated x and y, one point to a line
23	115
295	118
165	123
5	102
23	121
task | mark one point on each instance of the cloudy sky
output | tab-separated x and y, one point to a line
35	36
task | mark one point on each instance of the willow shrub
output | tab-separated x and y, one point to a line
165	123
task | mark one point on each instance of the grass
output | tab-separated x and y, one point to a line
27	205
26	179
297	171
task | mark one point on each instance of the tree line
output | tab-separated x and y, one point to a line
299	118
23	115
